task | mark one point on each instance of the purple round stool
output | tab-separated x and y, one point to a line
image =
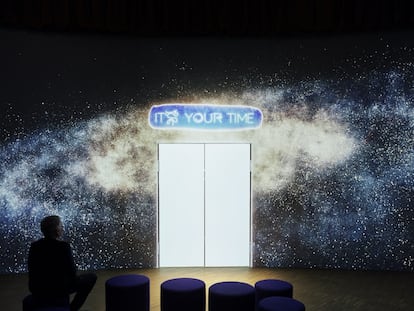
272	287
128	292
52	309
226	296
280	304
183	294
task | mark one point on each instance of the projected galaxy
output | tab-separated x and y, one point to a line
333	160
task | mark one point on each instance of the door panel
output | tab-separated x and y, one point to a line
204	205
227	202
181	205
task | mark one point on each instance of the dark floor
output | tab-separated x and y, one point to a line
319	290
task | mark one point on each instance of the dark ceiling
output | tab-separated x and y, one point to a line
204	17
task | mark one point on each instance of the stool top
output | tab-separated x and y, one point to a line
53	309
183	284
273	283
231	289
280	303
127	280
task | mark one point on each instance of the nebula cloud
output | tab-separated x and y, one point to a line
332	171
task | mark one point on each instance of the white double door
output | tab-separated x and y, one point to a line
204	205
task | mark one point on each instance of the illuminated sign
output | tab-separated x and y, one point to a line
204	117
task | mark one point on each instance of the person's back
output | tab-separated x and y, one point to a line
52	272
51	268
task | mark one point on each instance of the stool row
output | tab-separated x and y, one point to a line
131	293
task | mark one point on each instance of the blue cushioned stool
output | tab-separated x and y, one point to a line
272	287
128	292
280	304
52	309
183	294
33	303
229	296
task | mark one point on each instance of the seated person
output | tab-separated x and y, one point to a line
52	271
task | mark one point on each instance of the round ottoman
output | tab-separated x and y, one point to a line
128	292
52	309
280	304
272	287
226	296
183	294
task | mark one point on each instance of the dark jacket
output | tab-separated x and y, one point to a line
51	268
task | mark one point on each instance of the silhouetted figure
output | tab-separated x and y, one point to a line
52	271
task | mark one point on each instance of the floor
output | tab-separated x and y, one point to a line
319	290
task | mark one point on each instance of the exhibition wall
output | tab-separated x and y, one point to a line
332	149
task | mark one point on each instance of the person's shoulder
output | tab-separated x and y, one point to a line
60	243
38	242
50	242
63	245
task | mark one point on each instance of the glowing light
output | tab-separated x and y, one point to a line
204	117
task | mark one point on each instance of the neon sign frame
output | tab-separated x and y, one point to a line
204	117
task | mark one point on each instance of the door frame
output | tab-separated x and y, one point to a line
250	196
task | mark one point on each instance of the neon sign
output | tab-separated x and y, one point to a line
204	117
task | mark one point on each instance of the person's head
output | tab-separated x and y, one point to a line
51	227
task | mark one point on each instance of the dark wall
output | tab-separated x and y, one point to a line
204	17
